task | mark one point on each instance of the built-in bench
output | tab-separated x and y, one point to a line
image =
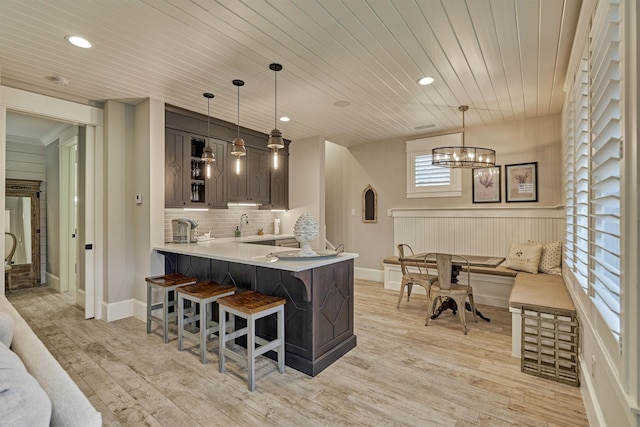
491	286
544	327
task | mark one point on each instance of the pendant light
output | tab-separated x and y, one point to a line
207	153
462	156
238	149
275	141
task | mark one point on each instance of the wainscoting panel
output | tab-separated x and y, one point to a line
478	231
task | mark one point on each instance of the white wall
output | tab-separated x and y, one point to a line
119	225
336	213
306	185
383	166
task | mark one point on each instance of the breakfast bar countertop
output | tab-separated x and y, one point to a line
240	250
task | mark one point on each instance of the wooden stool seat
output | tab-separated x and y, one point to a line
202	296
204	290
251	305
251	302
167	284
171	279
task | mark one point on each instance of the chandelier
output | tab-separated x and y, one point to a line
463	156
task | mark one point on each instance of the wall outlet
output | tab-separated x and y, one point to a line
138	199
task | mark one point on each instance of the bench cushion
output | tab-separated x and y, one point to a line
543	291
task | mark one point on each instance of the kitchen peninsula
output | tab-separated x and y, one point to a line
319	293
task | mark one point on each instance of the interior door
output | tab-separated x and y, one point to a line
86	219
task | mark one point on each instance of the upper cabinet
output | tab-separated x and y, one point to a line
279	184
176	175
252	183
186	184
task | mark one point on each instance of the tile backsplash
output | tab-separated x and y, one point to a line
222	222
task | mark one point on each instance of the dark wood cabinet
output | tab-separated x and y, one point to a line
279	184
186	182
257	183
176	175
252	184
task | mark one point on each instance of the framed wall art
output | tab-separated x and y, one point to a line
521	182
486	185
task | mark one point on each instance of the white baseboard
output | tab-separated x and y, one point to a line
128	308
368	274
117	310
53	281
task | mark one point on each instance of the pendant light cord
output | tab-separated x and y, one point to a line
238	111
208	120
275	117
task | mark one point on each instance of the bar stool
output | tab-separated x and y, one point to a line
202	295
251	305
165	283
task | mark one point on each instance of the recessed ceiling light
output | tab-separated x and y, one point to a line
79	41
284	119
342	103
425	81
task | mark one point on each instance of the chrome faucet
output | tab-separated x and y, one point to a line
244	220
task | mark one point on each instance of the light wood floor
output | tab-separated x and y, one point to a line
400	374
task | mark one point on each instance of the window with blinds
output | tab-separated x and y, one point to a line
593	154
606	146
576	120
426	180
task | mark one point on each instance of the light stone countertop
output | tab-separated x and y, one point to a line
236	249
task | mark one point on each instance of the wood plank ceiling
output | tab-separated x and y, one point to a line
506	59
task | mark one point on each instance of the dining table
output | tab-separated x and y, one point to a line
428	259
457	262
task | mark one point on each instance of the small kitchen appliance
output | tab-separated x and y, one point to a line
185	230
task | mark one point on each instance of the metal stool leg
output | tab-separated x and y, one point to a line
204	323
281	347
180	321
251	348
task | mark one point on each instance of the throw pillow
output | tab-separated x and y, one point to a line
523	257
23	402
551	258
6	328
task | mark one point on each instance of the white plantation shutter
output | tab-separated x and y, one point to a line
428	175
577	176
606	138
426	180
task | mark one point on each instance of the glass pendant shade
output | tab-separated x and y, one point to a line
208	156
463	156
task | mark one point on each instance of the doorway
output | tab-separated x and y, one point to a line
89	122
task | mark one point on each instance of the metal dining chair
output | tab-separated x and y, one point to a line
411	277
443	288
